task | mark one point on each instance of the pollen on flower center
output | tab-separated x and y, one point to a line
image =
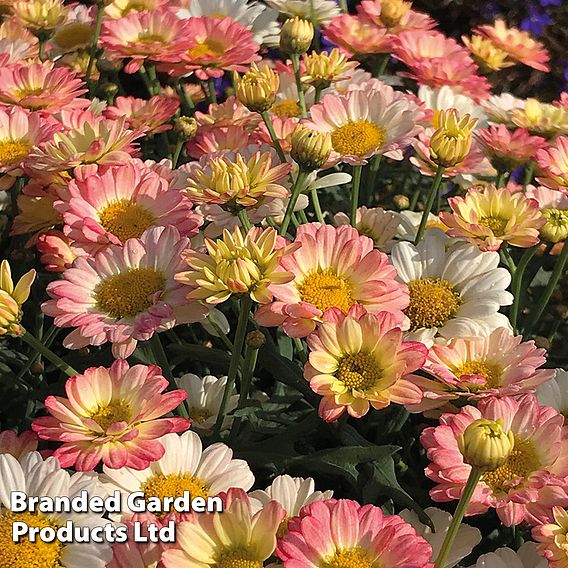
358	371
357	138
433	301
238	557
496	224
73	36
130	293
325	290
556	217
199	415
491	372
207	47
13	151
125	219
286	107
522	461
118	411
147	37
349	558
25	554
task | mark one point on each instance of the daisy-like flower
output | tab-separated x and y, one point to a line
533	478
134	552
497	365
185	466
216	45
553	164
283	126
519	45
486	54
12	299
116	9
18	445
396	15
526	557
75	33
212	140
39	15
342	532
157	35
123	294
364	124
286	103
117	203
553	205
360	360
324	69
499	108
41	86
237	264
147	116
56	250
455	289
505	149
541	119
333	268
229	113
16	42
38	478
445	98
322	11
235	537
113	415
235	179
489	217
376	223
204	397
552	539
555	392
415	46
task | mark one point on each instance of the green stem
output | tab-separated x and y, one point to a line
165	141
430	201
272	133
516	285
473	480
529	171
34	343
187	106
41	53
147	81
382	66
317	206
177	153
243	218
548	291
211	89
508	260
357	170
93	51
500	181
317	96
47	340
343	6
296	64
240	334
296	190
373	172
301	349
153	78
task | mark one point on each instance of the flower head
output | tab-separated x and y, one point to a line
310	149
553	164
18	445
451	142
553	205
486	54
323	69
296	35
541	119
12	299
552	538
39	15
257	88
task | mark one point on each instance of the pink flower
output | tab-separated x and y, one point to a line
211	139
344	533
531	481
335	267
18	445
553	164
552	538
283	126
56	250
111	415
124	294
229	113
553	205
411	21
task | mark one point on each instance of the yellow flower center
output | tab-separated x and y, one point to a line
125	219
137	6
199	415
358	371
286	107
283	527
74	35
26	554
433	301
357	138
491	372
522	461
147	37
324	289
207	48
130	293
495	223
118	411
349	558
238	557
174	485
13	151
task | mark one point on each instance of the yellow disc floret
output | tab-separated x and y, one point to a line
357	138
125	219
325	289
433	302
358	371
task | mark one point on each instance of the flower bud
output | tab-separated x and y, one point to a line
186	127
401	202
451	142
257	88
392	11
12	298
109	66
310	149
255	339
485	445
296	36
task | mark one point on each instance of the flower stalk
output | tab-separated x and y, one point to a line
296	190
36	344
430	201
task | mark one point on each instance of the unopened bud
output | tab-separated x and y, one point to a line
109	66
37	368
255	339
401	202
257	88
186	127
451	142
296	36
310	149
107	90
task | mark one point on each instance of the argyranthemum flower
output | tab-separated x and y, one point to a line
486	54
185	466
123	294
235	537
333	268
237	264
365	123
500	364
113	204
135	552
147	116
235	179
489	217
320	10
342	532
525	557
39	15
56	250
119	8
555	392
12	299
396	15
455	289
41	86
445	98
532	480
499	108
552	538
553	205
18	445
38	478
204	397
519	45
75	33
360	360
553	164
323	69
114	415
541	119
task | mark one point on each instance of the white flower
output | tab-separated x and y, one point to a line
455	289
466	539
499	108
292	493
204	399
446	98
185	466
555	392
410	221
39	478
322	11
526	557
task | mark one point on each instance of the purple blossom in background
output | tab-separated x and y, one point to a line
536	21
545	3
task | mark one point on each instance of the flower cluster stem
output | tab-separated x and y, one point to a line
296	190
429	202
516	286
301	98
357	170
94	45
272	133
36	344
317	206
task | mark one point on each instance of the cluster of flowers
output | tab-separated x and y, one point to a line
149	213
